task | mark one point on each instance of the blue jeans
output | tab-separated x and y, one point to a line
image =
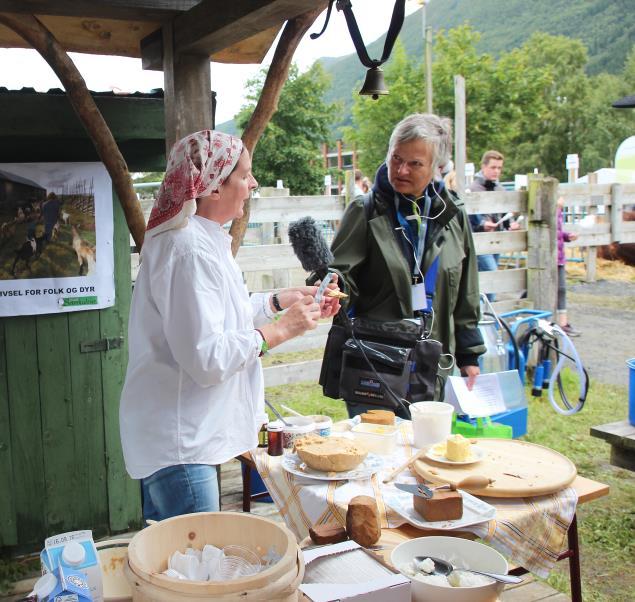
488	263
180	489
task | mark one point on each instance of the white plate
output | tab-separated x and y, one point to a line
475	511
477	455
371	465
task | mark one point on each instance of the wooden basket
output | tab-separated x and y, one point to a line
149	550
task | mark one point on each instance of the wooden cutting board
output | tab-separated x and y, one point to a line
519	469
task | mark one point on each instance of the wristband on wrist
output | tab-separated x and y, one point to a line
276	302
264	347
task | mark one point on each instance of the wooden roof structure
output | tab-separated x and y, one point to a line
240	31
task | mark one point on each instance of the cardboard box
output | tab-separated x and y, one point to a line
346	572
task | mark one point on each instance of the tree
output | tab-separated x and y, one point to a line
289	148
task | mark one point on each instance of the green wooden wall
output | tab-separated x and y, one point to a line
61	465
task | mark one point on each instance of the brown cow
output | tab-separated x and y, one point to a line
624	252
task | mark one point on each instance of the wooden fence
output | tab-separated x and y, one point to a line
530	282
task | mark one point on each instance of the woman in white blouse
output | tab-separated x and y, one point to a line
194	396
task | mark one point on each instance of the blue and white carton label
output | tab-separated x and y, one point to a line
72	586
52	557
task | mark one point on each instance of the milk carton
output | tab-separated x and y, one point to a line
74	551
62	585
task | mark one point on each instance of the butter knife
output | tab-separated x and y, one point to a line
418	490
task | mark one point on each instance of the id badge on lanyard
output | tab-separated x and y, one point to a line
419	296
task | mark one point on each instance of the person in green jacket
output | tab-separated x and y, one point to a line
411	252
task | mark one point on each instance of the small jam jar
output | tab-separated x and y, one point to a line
274	436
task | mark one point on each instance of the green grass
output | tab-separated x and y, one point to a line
606	526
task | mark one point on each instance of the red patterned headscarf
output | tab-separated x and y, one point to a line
197	166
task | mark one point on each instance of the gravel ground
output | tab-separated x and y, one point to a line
604	313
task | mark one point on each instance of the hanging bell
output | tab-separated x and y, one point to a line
374	84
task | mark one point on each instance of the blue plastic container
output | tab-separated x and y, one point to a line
257	484
516	418
631	390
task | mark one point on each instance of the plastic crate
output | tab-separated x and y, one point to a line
516	418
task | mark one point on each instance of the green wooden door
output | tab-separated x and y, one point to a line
61	465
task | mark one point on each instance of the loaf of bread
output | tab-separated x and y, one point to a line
362	520
330	454
378	417
443	505
324	534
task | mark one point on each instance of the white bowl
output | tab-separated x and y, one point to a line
378	438
474	555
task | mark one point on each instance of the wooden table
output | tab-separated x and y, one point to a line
621	436
586	489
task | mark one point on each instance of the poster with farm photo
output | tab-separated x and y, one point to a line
56	238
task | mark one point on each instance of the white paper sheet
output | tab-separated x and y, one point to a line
485	398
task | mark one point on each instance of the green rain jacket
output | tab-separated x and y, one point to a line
369	258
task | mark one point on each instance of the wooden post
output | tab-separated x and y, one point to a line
277	278
591	252
188	92
459	133
617	211
428	44
349	186
542	243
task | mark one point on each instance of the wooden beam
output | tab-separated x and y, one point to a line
206	29
267	104
127	10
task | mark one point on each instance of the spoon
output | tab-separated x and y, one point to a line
443	567
472	482
277	414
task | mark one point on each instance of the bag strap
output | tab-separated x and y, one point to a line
369	205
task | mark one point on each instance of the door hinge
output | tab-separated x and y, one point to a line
101	345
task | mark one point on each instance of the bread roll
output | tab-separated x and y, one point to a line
362	520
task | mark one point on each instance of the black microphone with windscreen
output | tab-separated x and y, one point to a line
309	246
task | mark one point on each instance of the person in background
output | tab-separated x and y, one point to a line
378	257
562	274
358	190
366	184
50	213
193	397
487	180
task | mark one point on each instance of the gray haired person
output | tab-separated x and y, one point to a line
411	253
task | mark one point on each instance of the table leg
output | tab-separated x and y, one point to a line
574	561
246	470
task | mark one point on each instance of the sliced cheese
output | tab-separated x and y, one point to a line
378	417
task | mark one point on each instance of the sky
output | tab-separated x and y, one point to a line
26	68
